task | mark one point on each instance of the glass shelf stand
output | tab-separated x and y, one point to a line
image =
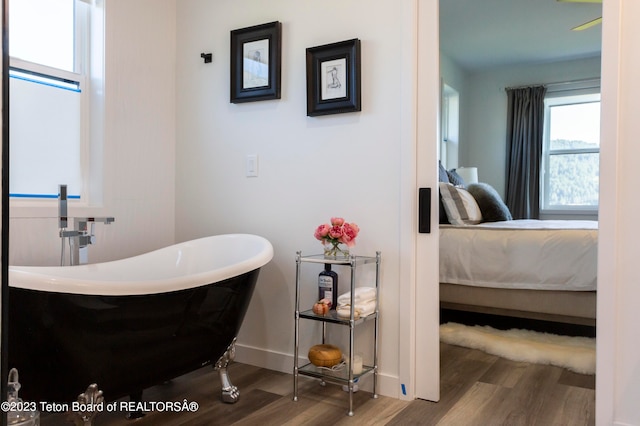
344	376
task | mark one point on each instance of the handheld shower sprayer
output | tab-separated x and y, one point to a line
62	207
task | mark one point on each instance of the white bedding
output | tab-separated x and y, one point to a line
523	254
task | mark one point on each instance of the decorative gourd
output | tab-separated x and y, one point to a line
322	307
325	355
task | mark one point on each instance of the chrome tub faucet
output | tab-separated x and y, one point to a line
82	234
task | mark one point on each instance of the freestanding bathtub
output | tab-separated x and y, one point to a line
133	323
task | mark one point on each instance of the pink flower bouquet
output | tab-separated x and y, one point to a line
337	232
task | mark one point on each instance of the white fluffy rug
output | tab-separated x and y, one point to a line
574	353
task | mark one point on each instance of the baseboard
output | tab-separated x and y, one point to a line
262	358
388	385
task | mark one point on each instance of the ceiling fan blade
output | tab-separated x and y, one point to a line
587	24
579	1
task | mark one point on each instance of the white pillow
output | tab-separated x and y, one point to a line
460	205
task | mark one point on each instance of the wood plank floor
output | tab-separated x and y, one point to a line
476	389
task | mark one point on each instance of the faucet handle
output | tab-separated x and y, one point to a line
92	235
106	220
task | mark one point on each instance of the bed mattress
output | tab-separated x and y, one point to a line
521	254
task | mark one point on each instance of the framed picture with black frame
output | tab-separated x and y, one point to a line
256	56
333	78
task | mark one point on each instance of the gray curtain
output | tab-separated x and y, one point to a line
525	124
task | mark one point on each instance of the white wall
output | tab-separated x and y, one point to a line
309	168
451	73
138	151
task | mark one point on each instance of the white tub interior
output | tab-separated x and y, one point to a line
177	267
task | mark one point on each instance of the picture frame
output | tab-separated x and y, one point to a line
333	78
256	56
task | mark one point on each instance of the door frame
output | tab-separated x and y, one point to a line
427	294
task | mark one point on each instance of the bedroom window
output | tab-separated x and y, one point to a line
571	153
449	128
49	101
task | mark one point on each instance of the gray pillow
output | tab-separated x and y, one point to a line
491	205
442	173
455	178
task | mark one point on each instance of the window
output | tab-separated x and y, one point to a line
449	131
48	96
43	32
571	153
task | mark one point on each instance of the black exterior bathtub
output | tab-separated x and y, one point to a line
63	342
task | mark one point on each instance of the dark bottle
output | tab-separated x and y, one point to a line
328	285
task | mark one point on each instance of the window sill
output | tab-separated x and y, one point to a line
586	214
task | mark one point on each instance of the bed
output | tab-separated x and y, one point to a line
534	269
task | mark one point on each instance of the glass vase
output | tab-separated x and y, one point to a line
335	249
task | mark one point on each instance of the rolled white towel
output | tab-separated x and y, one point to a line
360	295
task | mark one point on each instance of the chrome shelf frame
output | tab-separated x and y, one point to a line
346	375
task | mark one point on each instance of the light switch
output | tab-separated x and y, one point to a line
252	166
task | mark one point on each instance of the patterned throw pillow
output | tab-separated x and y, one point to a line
460	206
442	177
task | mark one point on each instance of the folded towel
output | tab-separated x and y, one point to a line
344	311
360	309
366	308
361	294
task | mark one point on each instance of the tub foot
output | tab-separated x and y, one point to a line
90	403
137	414
230	393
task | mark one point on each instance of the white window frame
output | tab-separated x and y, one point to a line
450	127
81	74
565	97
